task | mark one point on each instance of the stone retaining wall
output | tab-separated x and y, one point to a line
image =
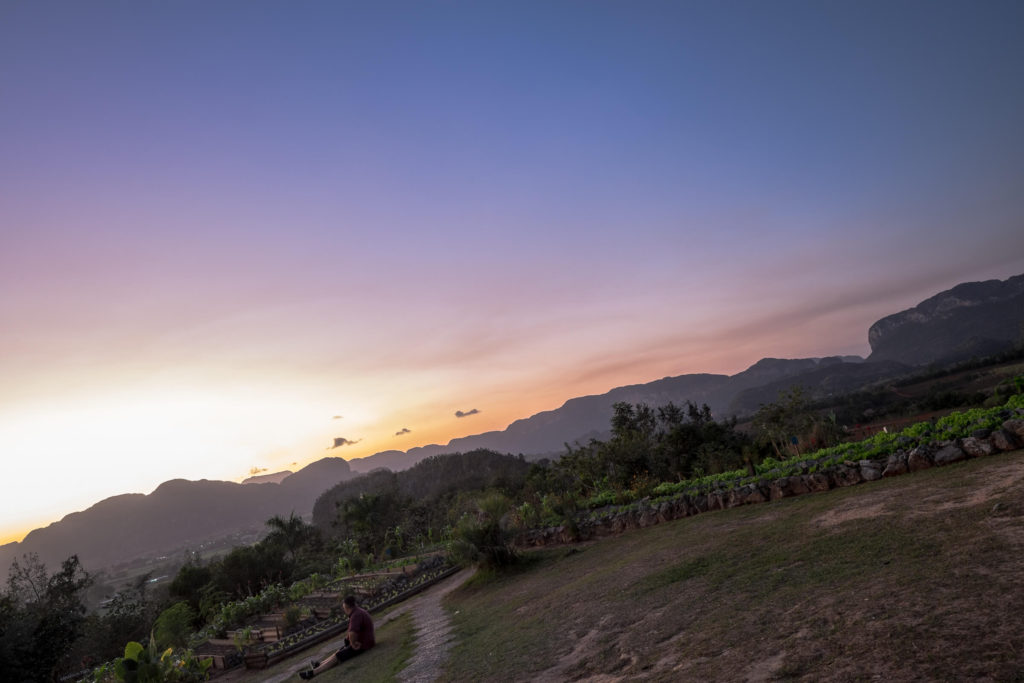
647	513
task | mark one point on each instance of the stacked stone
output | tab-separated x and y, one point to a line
1009	437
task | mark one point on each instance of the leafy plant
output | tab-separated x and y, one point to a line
142	664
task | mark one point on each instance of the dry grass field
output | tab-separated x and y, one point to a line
919	577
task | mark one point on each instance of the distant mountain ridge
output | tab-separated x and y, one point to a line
580	419
272	478
972	318
178	513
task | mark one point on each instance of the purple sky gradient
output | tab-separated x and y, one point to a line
224	223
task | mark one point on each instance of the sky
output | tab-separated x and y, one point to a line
235	234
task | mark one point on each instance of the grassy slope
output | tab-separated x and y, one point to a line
919	577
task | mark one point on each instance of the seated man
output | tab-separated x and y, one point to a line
359	638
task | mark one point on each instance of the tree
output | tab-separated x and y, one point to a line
368	518
291	534
125	617
784	422
174	625
40	617
190	581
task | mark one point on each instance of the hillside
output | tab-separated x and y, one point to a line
580	419
911	578
971	319
968	319
179	513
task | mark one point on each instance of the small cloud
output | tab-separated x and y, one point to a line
256	470
403	430
294	463
337	417
467	413
340	441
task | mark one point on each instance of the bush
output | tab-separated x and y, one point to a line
174	625
485	538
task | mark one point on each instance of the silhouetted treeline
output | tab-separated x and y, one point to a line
385	510
651	445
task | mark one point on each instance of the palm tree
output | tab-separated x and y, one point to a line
291	533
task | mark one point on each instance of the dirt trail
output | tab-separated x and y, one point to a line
433	631
433	639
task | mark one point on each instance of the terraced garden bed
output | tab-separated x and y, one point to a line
391	592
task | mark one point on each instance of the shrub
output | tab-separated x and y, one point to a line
485	538
174	625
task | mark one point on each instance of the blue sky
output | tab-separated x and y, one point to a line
224	223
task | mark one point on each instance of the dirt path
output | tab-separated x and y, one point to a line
433	639
433	631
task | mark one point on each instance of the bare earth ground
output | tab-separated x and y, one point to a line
915	578
432	642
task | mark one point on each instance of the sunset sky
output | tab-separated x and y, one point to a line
233	232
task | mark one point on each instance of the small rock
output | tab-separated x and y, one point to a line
757	494
977	447
816	482
1015	426
947	455
736	497
895	465
847	475
1003	440
919	459
870	470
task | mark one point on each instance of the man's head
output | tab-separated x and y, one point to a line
349	604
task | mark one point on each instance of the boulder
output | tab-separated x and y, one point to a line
664	512
737	497
847	475
758	494
700	503
919	459
1003	440
896	465
785	487
977	447
870	470
947	455
798	485
1015	426
817	482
